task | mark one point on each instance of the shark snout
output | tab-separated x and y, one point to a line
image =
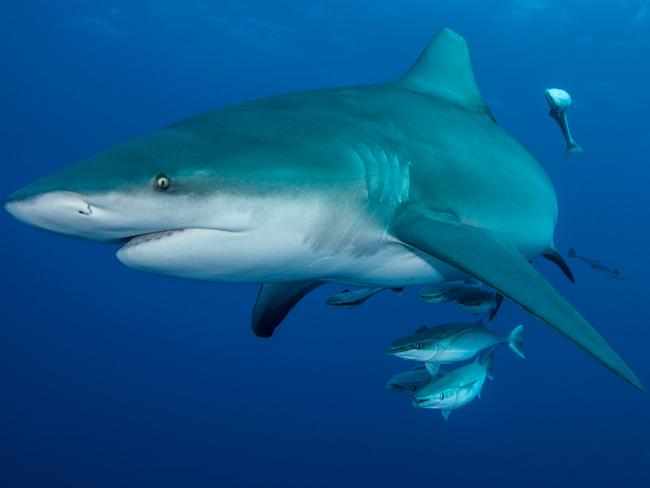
59	211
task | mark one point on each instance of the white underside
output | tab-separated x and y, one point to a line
228	239
254	256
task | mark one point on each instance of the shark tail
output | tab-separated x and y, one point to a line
516	341
571	253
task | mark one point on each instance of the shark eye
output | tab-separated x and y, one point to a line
162	182
418	346
442	396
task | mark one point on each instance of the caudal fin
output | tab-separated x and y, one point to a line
516	341
572	148
488	361
571	253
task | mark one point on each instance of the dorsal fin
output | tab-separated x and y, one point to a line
444	70
421	329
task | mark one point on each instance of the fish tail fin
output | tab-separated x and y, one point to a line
572	148
516	341
571	253
488	361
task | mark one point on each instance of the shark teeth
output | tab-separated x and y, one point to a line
154	236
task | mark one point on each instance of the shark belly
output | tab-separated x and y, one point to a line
280	255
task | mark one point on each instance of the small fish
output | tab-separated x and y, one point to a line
451	343
559	102
597	265
477	302
410	381
456	388
447	291
353	298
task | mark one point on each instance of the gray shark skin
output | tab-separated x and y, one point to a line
456	388
398	184
451	343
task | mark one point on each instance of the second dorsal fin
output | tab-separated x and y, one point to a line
444	70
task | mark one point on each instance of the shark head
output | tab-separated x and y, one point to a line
175	199
128	191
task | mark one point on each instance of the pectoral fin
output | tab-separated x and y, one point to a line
499	264
275	301
432	368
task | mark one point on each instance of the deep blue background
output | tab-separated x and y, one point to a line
110	377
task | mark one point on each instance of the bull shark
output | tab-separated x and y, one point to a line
404	183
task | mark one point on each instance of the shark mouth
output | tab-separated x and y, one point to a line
131	242
153	236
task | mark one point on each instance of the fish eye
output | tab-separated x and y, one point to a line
442	396
162	182
418	346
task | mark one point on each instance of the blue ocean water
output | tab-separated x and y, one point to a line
110	377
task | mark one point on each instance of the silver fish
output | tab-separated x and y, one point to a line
451	343
456	388
410	381
447	291
597	265
559	102
353	298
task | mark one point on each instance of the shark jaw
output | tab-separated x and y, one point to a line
246	242
153	238
182	238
